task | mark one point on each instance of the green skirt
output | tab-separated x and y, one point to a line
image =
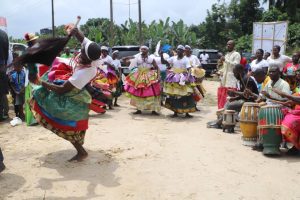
184	104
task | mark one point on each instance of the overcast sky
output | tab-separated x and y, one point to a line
32	15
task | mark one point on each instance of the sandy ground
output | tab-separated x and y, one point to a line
144	157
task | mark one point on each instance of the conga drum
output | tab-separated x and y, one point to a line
248	123
269	128
229	120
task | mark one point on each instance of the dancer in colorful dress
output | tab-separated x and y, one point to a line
179	84
117	65
197	72
108	74
143	83
63	106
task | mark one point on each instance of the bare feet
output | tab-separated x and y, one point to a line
79	157
154	113
2	167
187	115
138	112
174	115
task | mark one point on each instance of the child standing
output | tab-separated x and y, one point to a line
17	85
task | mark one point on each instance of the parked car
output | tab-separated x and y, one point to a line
125	51
211	66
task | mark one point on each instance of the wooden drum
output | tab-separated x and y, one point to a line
248	123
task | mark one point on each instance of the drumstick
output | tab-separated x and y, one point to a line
78	20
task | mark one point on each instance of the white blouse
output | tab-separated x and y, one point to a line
182	63
143	62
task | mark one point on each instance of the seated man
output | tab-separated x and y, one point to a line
275	83
261	78
237	98
269	93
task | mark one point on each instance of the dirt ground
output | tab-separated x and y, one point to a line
143	158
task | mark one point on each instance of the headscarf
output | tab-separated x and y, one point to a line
92	50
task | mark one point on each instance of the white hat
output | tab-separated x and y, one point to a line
104	48
180	47
114	52
144	47
187	47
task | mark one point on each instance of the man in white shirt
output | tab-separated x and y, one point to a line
275	83
204	58
228	80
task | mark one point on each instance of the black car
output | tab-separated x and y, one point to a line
211	65
125	51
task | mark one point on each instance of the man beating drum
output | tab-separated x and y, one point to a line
237	98
270	127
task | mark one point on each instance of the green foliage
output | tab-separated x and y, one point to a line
244	43
223	22
273	15
294	35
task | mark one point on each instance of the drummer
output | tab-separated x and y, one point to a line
261	78
275	83
271	97
237	98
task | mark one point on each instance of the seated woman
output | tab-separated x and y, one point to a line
289	72
290	127
63	107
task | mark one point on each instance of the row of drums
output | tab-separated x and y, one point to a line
260	123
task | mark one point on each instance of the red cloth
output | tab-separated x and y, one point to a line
43	69
81	125
243	61
222	96
97	106
60	71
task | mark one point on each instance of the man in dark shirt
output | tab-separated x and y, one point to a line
236	99
3	77
3	81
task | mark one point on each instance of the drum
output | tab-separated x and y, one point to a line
229	120
248	123
219	113
269	128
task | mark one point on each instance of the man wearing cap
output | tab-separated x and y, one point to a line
64	109
31	79
142	85
197	72
179	84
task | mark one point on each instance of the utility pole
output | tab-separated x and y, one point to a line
53	28
111	23
129	10
140	23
